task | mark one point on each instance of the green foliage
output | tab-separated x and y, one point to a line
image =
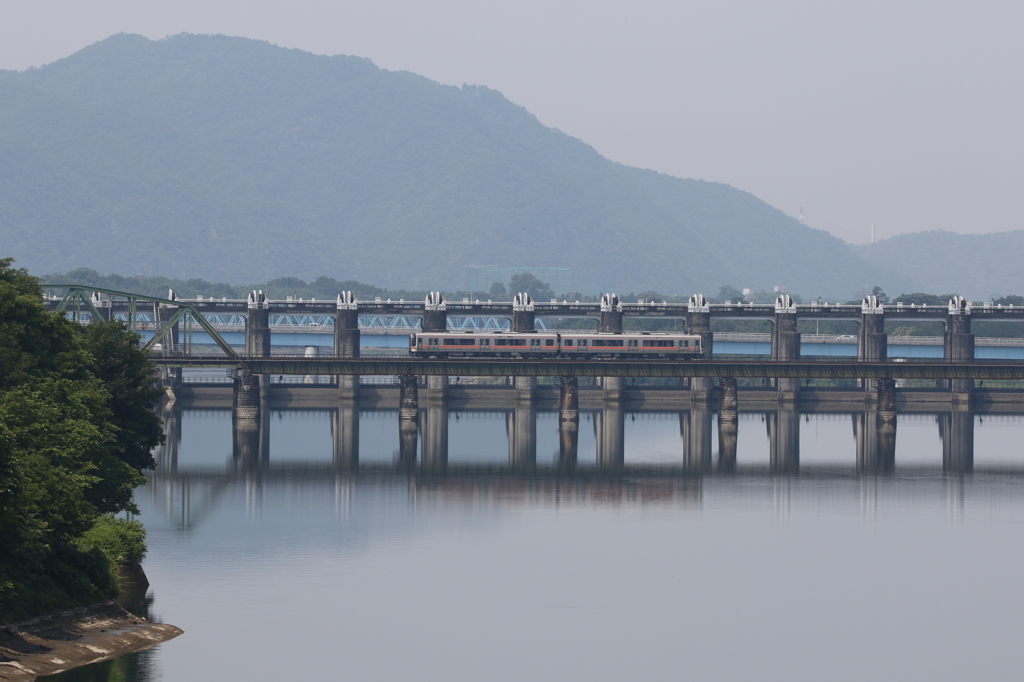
76	426
121	541
728	293
923	299
498	292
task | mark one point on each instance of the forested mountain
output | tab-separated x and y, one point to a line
980	266
233	159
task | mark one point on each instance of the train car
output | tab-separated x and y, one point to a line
582	345
484	344
569	344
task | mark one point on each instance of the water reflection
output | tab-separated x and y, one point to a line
361	525
707	442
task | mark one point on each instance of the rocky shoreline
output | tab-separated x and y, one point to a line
52	644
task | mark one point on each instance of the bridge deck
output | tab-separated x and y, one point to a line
819	369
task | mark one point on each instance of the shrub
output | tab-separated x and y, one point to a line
120	540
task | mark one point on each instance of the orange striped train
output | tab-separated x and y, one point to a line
551	344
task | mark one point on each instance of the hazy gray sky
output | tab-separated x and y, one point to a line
906	114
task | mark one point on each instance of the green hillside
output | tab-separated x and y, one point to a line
233	159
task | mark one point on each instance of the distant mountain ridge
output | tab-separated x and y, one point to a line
980	266
233	159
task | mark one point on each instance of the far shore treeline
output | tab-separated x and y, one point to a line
327	288
77	428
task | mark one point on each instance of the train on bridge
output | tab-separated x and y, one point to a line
572	345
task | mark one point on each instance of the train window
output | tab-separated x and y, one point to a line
658	343
549	342
568	342
608	342
465	342
500	342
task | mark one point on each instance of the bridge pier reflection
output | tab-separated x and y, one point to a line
408	420
568	423
696	433
345	434
956	429
610	434
166	455
521	427
250	430
435	436
728	425
784	441
875	431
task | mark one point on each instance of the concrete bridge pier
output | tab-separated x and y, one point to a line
523	321
784	441
872	342
956	429
257	332
568	423
786	346
435	319
347	341
610	434
697	435
521	427
345	434
408	420
614	388
698	321
525	388
611	315
523	316
728	425
958	346
435	437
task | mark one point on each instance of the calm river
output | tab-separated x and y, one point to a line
296	570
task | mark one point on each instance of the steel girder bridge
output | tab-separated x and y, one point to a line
754	369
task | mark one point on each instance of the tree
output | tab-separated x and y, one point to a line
76	428
728	293
525	282
881	295
498	291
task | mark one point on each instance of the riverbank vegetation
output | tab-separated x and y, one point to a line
76	431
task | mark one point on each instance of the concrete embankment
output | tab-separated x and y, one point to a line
52	644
